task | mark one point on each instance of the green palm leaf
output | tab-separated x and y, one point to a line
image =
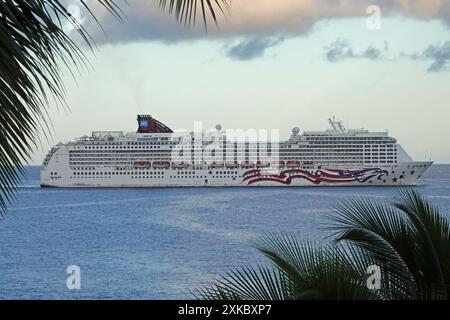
186	10
31	45
246	283
409	239
318	271
432	234
300	271
380	231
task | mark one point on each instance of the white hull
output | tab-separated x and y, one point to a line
400	174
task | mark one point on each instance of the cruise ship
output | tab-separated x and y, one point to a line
156	156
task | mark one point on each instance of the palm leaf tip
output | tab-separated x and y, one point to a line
186	11
247	283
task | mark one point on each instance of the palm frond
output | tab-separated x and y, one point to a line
408	242
246	283
399	238
317	271
33	47
186	10
299	271
432	235
32	44
381	231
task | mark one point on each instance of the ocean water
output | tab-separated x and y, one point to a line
157	243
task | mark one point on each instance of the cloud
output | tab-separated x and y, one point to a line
252	48
438	66
341	50
251	18
439	54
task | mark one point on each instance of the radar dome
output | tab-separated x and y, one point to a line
218	127
296	131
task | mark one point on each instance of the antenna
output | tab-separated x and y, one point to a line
337	125
332	122
341	126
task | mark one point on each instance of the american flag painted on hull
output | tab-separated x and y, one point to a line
316	177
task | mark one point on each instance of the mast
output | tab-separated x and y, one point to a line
336	124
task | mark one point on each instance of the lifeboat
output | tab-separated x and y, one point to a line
161	165
179	165
279	164
262	164
232	165
308	163
293	164
142	164
247	164
217	164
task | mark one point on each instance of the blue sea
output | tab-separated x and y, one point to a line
157	243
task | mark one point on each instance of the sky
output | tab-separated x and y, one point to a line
379	65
